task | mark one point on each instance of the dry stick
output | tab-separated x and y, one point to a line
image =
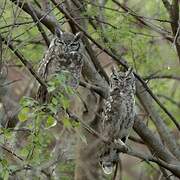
16	24
119	61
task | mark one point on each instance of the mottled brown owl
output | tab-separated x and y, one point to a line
63	56
118	116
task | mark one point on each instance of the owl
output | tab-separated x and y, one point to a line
118	116
64	55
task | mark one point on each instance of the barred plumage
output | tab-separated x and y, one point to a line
64	55
118	116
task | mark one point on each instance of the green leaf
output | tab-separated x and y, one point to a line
27	102
24	114
24	152
50	122
5	175
54	101
51	88
66	122
52	108
4	162
7	133
64	102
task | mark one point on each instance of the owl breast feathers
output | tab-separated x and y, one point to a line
118	114
64	55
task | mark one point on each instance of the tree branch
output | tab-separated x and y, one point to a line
119	61
163	130
155	28
25	62
46	19
167	5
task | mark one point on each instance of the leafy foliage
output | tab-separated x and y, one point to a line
146	51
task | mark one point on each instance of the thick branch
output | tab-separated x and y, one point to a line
51	24
167	5
168	161
46	19
119	61
39	26
99	90
163	130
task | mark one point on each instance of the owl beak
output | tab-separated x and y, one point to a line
78	36
129	72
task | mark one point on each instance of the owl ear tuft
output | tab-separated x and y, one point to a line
78	36
58	32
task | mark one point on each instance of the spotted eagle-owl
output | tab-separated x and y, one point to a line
64	55
118	116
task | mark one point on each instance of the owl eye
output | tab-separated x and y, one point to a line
75	46
115	78
58	42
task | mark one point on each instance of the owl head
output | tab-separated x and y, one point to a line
122	81
68	42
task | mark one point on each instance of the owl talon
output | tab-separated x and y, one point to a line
120	145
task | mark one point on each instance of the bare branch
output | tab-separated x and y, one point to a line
151	77
163	130
39	26
168	161
169	99
155	28
46	19
99	90
119	61
25	62
167	5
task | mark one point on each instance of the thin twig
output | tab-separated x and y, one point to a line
25	62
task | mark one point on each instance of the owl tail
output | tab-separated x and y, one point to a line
108	167
42	94
109	161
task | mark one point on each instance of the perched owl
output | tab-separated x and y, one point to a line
64	55
118	116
